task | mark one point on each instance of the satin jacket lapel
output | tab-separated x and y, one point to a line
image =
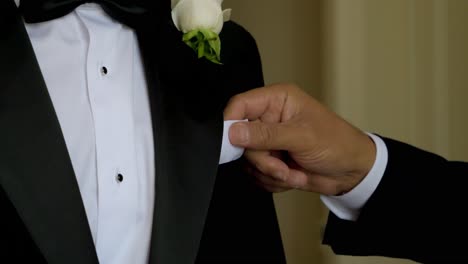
187	143
35	169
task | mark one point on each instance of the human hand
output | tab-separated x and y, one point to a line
293	141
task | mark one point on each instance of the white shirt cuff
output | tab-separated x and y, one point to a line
349	205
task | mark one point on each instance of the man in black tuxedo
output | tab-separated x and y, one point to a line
386	198
203	213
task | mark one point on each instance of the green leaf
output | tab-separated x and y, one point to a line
190	35
205	43
201	49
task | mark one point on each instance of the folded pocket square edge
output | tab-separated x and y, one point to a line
229	152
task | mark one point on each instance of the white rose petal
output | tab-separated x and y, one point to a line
174	3
223	17
227	15
191	15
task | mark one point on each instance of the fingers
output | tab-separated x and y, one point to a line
273	189
275	106
255	103
274	175
295	180
310	182
270	171
267	164
268	183
267	136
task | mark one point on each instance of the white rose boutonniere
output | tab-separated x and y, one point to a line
201	21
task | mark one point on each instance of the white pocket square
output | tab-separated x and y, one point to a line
229	152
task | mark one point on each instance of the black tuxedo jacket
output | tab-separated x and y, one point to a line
417	211
204	213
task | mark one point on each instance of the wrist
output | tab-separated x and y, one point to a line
366	152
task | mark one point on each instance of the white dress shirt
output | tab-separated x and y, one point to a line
94	74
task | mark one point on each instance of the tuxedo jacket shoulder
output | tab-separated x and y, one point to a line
205	87
415	213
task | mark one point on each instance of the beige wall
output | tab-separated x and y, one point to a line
457	78
395	67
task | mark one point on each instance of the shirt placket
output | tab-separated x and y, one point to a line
111	98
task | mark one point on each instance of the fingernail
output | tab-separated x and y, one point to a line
239	133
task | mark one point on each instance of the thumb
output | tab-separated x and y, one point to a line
263	136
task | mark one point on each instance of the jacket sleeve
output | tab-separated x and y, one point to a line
416	213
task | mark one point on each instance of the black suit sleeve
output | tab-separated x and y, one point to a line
417	211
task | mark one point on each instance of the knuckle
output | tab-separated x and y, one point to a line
265	134
261	166
256	160
235	101
235	98
292	86
266	166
